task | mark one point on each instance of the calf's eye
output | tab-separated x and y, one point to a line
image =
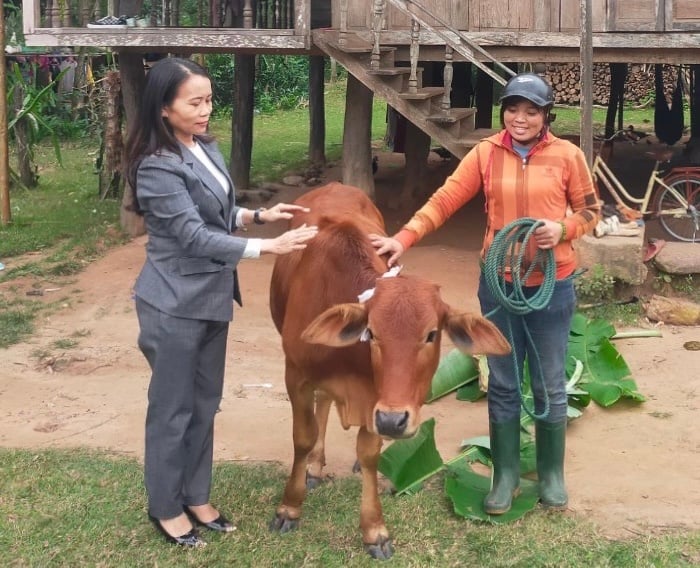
431	336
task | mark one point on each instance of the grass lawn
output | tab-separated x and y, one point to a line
79	508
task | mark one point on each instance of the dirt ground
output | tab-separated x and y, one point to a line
631	469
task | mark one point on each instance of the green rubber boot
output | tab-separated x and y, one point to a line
550	442
505	454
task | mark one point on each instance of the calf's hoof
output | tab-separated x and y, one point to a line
380	550
313	481
282	524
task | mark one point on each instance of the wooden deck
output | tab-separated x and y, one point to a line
197	40
619	47
542	31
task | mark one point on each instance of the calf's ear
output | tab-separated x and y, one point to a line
472	333
338	326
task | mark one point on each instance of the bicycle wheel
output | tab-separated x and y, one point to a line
679	221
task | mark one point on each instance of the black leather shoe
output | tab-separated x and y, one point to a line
220	524
190	539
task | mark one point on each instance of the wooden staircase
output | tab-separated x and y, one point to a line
401	87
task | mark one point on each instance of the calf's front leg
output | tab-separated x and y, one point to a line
374	532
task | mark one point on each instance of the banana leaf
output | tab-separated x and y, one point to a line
471	392
481	446
479	449
577	398
605	376
467	490
454	370
407	463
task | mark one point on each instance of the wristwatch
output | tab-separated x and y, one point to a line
256	216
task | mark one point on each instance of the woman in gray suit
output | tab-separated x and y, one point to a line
185	291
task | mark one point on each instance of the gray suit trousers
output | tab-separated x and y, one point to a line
187	359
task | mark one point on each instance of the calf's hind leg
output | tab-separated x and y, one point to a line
374	532
304	432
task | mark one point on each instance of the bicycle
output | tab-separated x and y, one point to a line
673	197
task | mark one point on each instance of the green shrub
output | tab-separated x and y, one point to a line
595	286
281	82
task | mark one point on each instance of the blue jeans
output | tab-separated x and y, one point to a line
546	353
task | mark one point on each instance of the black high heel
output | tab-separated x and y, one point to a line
220	524
190	539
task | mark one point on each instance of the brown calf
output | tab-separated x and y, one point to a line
375	359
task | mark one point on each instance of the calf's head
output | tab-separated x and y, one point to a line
403	322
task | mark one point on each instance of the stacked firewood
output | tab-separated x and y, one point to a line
639	86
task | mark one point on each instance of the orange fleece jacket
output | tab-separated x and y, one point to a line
552	182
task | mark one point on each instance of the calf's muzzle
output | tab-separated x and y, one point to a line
392	424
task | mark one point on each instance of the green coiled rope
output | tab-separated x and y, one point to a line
506	256
507	253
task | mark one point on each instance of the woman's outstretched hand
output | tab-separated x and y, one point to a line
281	211
387	245
294	239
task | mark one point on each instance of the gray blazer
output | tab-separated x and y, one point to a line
191	256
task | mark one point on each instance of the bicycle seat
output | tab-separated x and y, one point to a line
663	155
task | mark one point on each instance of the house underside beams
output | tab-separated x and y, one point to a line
637	47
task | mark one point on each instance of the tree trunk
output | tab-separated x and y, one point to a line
113	145
317	113
357	137
242	121
25	160
133	80
77	97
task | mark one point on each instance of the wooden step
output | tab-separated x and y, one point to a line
389	71
362	48
423	94
471	139
354	44
452	115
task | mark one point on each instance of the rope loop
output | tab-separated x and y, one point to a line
505	257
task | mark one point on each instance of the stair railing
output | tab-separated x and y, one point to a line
452	37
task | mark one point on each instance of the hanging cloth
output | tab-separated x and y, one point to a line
694	106
618	76
668	122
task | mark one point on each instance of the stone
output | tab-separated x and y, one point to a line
293	180
621	257
679	258
673	311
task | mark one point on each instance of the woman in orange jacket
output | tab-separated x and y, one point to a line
525	172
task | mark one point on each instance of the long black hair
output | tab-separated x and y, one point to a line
151	131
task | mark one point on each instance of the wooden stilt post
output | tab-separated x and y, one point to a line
587	80
342	38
